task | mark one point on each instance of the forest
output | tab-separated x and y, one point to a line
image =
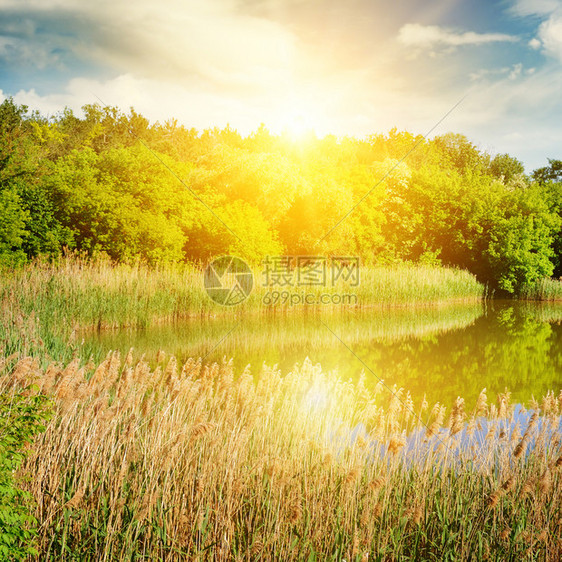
112	184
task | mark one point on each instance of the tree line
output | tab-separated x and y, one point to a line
113	183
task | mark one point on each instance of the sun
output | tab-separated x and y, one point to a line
299	117
298	124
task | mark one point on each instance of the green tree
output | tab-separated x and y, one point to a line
505	167
124	202
13	220
460	153
237	229
550	173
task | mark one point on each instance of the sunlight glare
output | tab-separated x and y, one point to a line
298	124
299	118
317	400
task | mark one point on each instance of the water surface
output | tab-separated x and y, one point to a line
441	352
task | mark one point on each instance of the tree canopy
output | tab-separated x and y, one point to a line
113	183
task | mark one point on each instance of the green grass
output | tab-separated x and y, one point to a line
416	284
543	290
45	306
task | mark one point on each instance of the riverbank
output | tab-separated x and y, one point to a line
45	306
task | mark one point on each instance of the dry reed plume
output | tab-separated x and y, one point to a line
194	463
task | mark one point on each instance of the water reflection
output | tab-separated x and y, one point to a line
485	444
441	352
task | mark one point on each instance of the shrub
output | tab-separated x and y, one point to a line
22	415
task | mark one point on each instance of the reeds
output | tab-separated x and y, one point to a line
543	290
197	462
46	307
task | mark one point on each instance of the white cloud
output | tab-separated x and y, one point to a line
515	71
550	34
429	36
530	105
152	98
512	72
22	53
180	40
356	109
535	7
195	106
487	72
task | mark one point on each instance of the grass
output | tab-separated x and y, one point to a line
45	304
543	290
195	463
409	284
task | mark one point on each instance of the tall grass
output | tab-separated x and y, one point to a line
543	290
43	304
416	284
193	463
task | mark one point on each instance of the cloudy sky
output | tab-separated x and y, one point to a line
344	67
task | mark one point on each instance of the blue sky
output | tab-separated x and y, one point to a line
355	67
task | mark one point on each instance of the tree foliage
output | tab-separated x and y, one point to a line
550	173
113	183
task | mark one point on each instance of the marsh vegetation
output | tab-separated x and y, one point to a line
199	462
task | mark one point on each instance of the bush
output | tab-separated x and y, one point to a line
22	416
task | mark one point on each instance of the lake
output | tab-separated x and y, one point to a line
438	351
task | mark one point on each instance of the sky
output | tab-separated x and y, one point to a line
353	67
